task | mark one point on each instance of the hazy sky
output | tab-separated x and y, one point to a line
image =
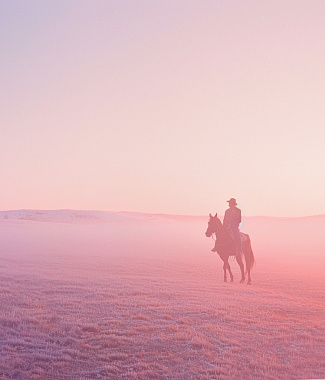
163	106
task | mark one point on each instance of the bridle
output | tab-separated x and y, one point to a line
214	236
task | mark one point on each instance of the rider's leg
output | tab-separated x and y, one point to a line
237	238
239	253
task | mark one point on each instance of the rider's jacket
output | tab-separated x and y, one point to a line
232	218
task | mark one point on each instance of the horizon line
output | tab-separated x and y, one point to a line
158	213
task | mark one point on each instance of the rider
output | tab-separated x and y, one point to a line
231	221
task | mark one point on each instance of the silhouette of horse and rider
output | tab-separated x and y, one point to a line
231	242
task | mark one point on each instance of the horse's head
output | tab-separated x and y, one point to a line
212	225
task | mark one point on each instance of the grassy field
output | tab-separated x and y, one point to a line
145	299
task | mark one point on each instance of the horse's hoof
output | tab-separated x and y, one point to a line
242	280
232	280
249	283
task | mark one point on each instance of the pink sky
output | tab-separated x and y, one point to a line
163	106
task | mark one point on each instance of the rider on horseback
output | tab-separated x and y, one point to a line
230	242
231	222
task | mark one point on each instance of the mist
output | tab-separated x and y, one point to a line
112	295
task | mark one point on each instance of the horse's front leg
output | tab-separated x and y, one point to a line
226	267
224	272
241	265
249	281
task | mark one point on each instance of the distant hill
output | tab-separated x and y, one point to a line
89	216
71	216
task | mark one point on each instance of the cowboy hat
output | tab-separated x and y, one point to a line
233	201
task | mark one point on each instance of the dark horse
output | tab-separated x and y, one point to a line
225	246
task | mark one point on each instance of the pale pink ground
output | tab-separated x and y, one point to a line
143	298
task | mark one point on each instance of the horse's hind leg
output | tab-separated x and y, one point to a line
231	275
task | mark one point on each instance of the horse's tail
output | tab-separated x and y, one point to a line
250	258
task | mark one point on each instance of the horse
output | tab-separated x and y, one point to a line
225	246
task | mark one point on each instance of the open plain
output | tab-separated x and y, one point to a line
88	295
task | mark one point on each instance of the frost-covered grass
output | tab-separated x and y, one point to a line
145	300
